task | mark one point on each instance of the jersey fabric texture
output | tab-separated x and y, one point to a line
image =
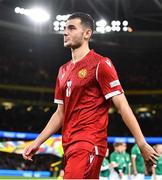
85	90
135	152
82	164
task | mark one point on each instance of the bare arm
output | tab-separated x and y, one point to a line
129	168
134	165
128	117
153	172
130	120
52	127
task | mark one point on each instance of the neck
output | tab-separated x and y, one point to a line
79	53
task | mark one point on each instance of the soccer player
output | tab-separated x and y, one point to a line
127	164
105	167
86	85
117	162
137	163
157	169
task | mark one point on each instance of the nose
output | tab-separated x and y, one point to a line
65	32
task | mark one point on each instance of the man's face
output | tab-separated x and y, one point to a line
74	33
124	147
118	148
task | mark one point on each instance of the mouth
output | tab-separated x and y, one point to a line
66	39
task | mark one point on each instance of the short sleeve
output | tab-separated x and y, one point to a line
108	79
112	157
58	92
134	151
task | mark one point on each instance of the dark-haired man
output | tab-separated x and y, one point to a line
85	87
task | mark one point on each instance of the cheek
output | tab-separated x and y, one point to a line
78	38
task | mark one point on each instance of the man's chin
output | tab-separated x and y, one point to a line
67	45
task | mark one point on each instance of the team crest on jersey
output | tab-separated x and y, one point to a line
82	73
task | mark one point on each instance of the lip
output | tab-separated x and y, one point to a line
65	40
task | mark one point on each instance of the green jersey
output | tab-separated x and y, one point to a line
158	168
105	171
135	152
127	162
119	159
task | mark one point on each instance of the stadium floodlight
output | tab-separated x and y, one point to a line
100	29
118	23
113	23
125	23
118	28
125	28
17	10
60	22
7	105
56	28
101	23
62	17
38	15
108	28
58	17
113	28
56	23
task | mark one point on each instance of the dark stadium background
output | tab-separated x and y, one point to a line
30	56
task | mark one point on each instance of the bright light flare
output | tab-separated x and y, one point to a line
38	15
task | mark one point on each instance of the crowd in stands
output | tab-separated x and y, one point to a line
22	118
22	71
16	162
134	74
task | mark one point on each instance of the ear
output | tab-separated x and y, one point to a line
88	34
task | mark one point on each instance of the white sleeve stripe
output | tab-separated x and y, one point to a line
97	71
114	83
96	150
58	101
109	95
133	155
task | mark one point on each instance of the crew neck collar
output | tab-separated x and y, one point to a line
83	58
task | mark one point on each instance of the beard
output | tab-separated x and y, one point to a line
74	44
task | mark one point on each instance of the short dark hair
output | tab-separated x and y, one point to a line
116	144
86	19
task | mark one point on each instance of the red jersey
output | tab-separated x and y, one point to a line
85	90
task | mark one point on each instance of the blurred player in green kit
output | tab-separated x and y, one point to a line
137	163
117	162
157	169
105	167
127	164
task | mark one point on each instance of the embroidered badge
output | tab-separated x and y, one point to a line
82	73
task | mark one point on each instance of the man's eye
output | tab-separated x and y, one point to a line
72	27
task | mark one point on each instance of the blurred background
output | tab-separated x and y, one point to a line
31	51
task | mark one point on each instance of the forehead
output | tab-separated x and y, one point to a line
75	22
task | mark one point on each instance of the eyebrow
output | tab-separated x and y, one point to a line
70	26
